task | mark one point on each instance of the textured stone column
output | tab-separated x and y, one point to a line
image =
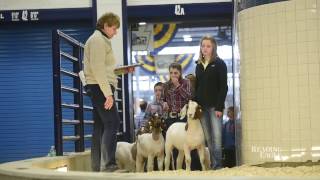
279	47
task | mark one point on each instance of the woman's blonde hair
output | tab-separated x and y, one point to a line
110	19
214	48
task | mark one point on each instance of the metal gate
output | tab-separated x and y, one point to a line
66	48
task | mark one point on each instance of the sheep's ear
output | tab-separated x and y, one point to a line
198	113
183	111
139	132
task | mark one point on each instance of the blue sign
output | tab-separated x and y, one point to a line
180	12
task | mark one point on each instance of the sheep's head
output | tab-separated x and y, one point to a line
191	110
156	124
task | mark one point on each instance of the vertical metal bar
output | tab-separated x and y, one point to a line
121	96
78	99
57	93
94	13
236	91
126	83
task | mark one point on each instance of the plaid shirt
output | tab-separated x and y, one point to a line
177	97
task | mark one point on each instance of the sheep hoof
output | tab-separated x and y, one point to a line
186	127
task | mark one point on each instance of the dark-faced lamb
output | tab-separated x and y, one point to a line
150	145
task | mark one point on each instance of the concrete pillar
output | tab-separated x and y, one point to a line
114	6
279	47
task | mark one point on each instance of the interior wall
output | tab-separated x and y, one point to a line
40	4
280	81
117	41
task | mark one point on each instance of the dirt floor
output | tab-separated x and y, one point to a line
267	169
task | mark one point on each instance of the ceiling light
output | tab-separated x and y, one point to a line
187	38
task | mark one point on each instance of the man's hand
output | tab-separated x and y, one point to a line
218	114
165	106
175	82
109	103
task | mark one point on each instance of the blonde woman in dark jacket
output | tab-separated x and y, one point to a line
211	91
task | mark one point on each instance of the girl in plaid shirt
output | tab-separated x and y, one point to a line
177	93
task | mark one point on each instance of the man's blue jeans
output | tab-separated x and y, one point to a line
212	128
105	128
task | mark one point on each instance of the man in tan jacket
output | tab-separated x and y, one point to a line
99	65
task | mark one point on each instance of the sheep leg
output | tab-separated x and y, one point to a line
160	161
150	163
187	157
120	165
180	159
139	163
201	157
168	149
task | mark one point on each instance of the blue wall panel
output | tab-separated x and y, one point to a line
26	97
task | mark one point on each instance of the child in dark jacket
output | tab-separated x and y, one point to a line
228	140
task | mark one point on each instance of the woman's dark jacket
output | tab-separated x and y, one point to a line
211	84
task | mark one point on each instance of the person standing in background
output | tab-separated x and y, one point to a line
228	140
192	79
211	90
139	119
157	106
99	66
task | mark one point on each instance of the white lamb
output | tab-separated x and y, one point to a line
186	137
126	155
151	145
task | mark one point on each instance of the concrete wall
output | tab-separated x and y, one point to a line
42	4
102	7
117	41
53	4
280	81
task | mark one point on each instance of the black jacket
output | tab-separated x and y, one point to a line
211	84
